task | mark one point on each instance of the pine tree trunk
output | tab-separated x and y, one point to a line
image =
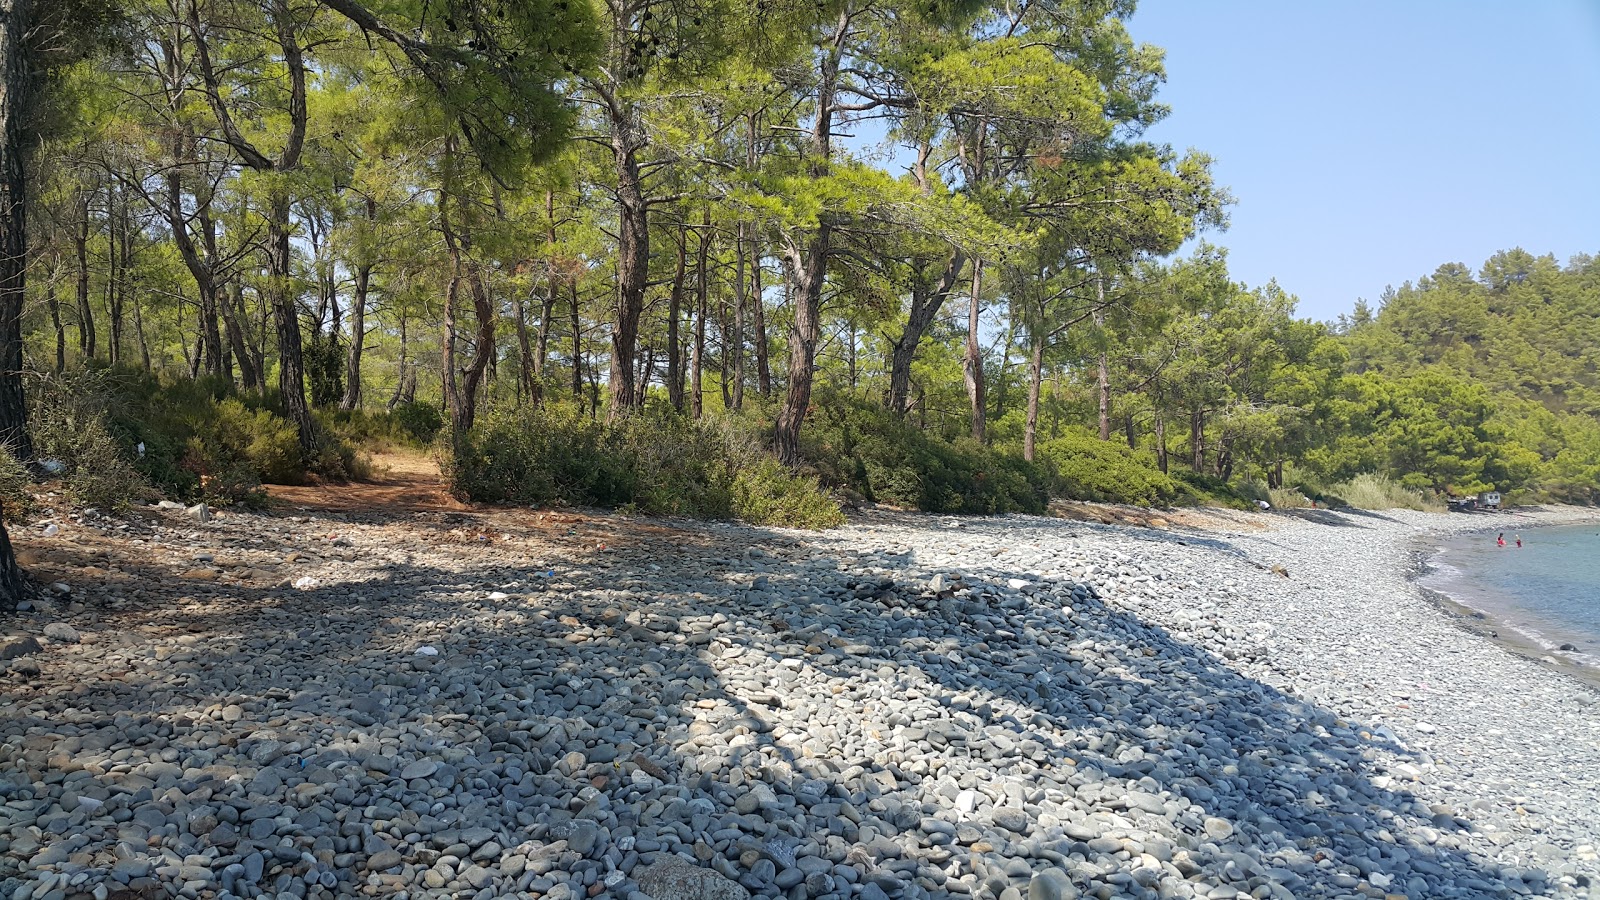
972	360
53	303
1030	428
286	319
1197	441
16	86
577	345
925	306
400	376
674	315
1103	367
1161	443
80	246
633	266
358	339
759	308
16	91
809	268
698	354
232	309
736	342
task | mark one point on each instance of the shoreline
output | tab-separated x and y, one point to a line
1483	623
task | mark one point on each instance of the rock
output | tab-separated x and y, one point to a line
421	768
1011	819
1218	829
1570	648
23	645
673	878
199	512
1426	728
384	859
1052	884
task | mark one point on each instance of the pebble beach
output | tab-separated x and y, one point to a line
513	704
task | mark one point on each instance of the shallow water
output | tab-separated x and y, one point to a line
1549	589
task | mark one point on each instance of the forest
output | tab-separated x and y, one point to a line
706	258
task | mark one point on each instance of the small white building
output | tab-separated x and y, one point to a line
1490	499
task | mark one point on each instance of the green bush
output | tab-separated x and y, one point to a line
1369	491
16	488
651	462
201	440
421	422
768	493
71	427
887	460
1087	468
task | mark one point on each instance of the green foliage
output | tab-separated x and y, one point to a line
1369	491
421	422
887	460
70	425
1087	468
324	363
651	462
767	493
16	488
200	440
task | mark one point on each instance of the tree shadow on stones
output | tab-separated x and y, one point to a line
558	760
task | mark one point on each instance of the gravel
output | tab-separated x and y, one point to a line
905	708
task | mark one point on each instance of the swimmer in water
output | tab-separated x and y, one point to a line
1519	542
1500	540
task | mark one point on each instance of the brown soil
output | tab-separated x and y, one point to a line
403	482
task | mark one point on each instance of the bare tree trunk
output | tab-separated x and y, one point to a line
972	361
1030	428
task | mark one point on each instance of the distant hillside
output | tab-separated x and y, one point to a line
1524	326
1526	331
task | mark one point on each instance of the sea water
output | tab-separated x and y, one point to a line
1549	589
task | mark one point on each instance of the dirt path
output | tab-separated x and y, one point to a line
404	482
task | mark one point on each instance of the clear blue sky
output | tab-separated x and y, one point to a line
1367	143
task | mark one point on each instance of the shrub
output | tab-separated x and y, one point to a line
872	451
1288	498
200	440
651	462
1087	468
1369	491
69	425
768	493
16	488
421	422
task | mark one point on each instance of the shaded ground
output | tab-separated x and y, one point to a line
640	687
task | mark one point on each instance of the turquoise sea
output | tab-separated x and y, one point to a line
1549	589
